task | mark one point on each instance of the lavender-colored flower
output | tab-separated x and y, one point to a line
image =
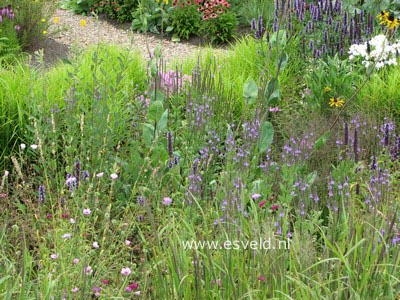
166	201
42	194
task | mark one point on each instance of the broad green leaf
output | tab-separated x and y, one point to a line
148	133
156	110
250	90
162	122
322	140
266	137
283	60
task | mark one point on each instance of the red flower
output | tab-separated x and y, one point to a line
65	216
105	281
274	207
261	278
262	203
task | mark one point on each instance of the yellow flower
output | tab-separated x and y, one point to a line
336	102
82	23
327	89
392	22
44	32
43	20
383	15
166	1
56	20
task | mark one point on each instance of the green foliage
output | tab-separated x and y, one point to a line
221	29
120	10
330	78
79	6
150	16
185	19
31	17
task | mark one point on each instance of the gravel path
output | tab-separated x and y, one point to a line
68	33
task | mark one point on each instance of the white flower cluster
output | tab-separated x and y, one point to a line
381	52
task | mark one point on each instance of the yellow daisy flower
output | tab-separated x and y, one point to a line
56	20
327	89
82	23
392	22
383	16
44	32
336	102
43	20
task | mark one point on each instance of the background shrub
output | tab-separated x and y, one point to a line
120	10
31	18
185	19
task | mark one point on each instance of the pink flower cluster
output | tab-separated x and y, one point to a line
211	9
172	81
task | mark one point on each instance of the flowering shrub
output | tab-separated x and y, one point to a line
378	51
185	18
8	41
120	10
219	22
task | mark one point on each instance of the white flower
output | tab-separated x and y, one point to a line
34	146
72	221
99	175
66	236
6	173
54	256
22	146
95	245
114	176
127	242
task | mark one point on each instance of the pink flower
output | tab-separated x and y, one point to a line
126	271
75	290
95	245
127	242
262	203
87	211
255	196
88	270
105	281
131	287
261	278
166	201
114	176
75	261
54	256
66	236
274	207
274	109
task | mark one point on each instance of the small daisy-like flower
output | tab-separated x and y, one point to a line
56	20
75	290
255	196
54	256
83	23
167	201
66	236
114	176
75	261
95	245
43	20
327	89
72	221
34	146
87	211
262	203
88	270
22	146
99	175
336	102
126	271
6	173
127	242
133	286
44	32
274	207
